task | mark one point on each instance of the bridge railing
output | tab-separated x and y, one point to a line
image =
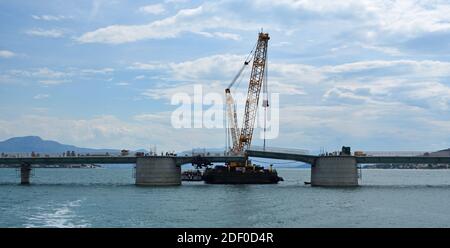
395	153
280	150
205	152
58	154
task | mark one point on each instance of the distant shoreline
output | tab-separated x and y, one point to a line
66	166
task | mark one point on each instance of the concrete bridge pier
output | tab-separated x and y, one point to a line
25	172
153	171
334	171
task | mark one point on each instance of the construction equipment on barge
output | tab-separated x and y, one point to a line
245	173
192	176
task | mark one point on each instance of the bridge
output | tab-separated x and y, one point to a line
336	170
179	160
342	170
311	159
150	170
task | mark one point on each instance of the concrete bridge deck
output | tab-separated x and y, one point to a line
282	155
311	159
166	170
343	170
179	160
403	160
150	170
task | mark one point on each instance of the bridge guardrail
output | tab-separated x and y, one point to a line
280	150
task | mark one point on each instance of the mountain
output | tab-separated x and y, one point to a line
445	152
36	144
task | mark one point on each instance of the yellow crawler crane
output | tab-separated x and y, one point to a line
242	138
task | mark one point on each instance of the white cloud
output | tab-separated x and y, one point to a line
200	20
370	84
166	92
390	126
285	88
152	117
314	6
154	9
281	44
214	67
386	50
223	67
40	73
47	76
6	54
98	71
406	17
96	7
215	72
413	83
299	73
7	79
51	33
430	95
41	96
45	72
176	1
145	66
409	82
107	131
392	51
220	66
428	68
51	17
166	28
53	81
70	131
228	36
218	70
334	104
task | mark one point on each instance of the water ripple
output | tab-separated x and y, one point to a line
59	215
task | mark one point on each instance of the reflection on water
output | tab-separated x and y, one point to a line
56	215
108	198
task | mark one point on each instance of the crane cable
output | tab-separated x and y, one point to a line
250	55
225	125
236	78
246	62
265	99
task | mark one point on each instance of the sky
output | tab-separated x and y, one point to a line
370	74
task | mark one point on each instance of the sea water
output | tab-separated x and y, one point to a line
107	197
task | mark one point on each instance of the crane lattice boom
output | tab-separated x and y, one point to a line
232	118
254	89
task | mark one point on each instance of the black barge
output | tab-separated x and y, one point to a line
241	175
192	175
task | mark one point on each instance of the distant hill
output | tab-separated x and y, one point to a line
445	152
36	144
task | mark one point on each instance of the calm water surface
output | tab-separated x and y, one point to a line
107	198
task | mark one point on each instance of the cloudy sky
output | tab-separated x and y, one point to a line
371	74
